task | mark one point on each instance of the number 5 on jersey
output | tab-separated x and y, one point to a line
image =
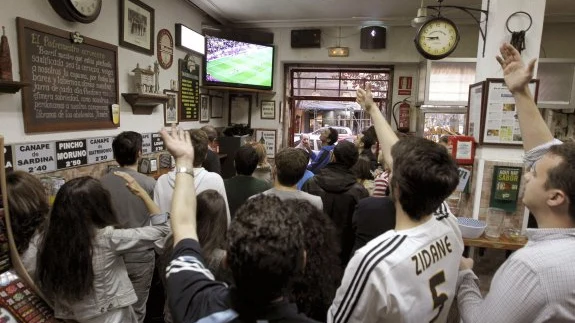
438	299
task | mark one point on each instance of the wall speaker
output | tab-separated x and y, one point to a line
306	38
372	37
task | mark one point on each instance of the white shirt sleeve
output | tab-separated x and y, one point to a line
361	296
536	153
515	296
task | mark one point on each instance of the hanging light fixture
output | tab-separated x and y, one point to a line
421	16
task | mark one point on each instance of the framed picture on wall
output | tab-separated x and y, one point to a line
268	110
268	138
204	108
171	108
216	107
137	26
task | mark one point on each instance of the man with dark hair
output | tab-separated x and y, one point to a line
537	283
417	263
340	192
290	165
131	212
242	186
364	143
212	161
265	250
204	180
328	139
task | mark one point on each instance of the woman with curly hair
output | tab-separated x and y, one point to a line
314	289
28	207
80	266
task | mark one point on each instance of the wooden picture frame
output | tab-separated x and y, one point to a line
499	116
171	108
137	26
267	137
216	107
268	109
240	111
476	97
204	108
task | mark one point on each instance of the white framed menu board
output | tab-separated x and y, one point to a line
499	121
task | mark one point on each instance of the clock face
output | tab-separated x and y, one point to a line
437	38
86	7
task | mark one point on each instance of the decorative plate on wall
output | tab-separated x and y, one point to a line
165	48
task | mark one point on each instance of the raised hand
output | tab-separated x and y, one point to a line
131	184
516	74
178	143
365	98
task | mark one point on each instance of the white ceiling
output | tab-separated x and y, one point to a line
310	13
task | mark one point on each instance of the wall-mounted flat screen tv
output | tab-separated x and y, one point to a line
188	39
238	64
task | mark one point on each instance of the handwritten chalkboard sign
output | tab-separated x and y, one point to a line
73	84
189	74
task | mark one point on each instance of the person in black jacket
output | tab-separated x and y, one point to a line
337	186
212	161
373	216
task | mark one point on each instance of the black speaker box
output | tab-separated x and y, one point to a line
372	37
306	38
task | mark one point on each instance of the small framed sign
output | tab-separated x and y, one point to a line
171	108
216	107
268	138
268	110
204	108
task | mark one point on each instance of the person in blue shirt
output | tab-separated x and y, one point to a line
320	160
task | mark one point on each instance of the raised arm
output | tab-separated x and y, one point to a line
183	215
385	134
517	76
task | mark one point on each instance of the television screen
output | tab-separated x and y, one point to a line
238	64
189	39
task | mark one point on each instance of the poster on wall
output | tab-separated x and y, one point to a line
475	104
240	109
500	124
189	80
267	137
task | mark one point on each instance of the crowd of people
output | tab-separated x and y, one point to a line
276	249
218	48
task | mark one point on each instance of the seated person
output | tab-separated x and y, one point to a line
265	251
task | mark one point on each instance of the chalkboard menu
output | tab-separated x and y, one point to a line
189	75
74	79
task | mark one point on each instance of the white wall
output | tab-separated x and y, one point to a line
105	29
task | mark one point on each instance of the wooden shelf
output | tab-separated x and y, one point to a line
236	89
11	86
144	103
502	243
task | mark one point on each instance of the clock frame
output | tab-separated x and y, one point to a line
165	48
436	54
66	10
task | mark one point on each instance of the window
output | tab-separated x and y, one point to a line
449	81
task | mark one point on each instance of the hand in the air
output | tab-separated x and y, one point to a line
516	74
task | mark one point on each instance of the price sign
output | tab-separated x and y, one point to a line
146	143
36	157
157	142
71	153
100	149
8	163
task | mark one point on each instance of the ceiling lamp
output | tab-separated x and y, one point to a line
421	16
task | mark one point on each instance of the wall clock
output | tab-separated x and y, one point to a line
165	48
437	38
84	11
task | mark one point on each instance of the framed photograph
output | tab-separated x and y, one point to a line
171	108
216	107
268	138
268	110
204	108
137	26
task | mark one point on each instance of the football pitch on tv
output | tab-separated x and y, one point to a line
253	68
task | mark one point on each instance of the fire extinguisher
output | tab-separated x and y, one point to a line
404	118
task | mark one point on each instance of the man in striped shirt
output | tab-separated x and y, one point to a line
408	274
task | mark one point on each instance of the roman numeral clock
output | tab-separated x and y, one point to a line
84	11
437	38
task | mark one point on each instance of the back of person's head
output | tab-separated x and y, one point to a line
246	160
332	136
290	165
362	168
369	137
28	206
314	289
265	251
562	176
211	132
261	151
346	153
200	142
212	221
127	147
423	175
64	267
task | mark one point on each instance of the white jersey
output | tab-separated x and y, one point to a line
403	276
